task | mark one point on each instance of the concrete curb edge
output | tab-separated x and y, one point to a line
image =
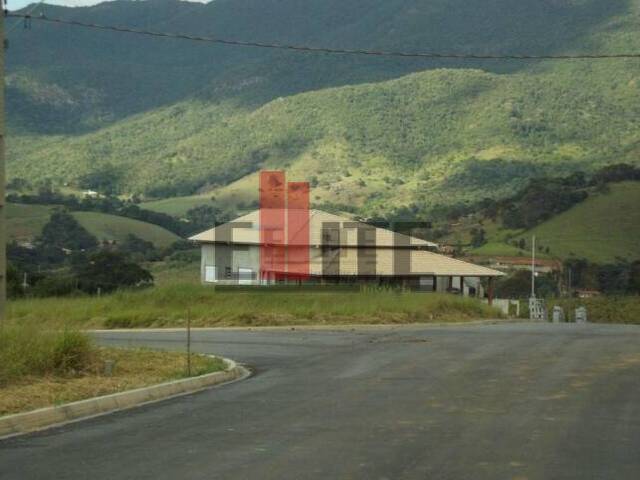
48	417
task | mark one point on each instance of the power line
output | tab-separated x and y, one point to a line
328	50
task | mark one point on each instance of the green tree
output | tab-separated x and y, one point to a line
138	249
108	271
478	237
63	231
104	179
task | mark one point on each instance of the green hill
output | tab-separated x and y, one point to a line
443	136
25	222
603	228
100	77
112	227
167	119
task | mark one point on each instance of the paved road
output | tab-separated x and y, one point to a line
514	401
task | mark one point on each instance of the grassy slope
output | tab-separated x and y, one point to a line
25	222
438	137
603	228
112	227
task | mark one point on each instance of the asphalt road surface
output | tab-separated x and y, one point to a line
515	401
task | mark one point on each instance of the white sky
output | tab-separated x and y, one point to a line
17	4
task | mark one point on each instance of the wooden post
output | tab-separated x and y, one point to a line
462	286
490	291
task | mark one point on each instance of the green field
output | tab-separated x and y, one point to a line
602	228
177	206
25	222
112	227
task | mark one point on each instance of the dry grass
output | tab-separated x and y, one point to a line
133	369
167	306
604	309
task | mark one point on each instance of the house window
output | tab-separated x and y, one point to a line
210	274
227	272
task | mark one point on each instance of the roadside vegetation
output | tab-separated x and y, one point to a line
604	309
168	306
40	368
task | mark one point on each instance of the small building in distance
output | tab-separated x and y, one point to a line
338	253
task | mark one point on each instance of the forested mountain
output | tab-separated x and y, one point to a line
164	117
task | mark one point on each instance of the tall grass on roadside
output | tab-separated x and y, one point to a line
167	306
603	309
27	351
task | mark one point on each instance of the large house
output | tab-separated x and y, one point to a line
338	250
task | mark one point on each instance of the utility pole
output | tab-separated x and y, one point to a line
3	248
533	267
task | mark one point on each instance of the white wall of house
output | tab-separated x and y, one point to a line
230	264
223	264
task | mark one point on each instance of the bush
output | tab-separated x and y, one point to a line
55	286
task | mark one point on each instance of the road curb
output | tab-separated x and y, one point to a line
43	418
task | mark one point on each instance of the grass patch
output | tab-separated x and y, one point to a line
40	368
113	227
26	351
615	309
167	306
25	222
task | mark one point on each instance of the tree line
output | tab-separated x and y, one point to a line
66	259
196	219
